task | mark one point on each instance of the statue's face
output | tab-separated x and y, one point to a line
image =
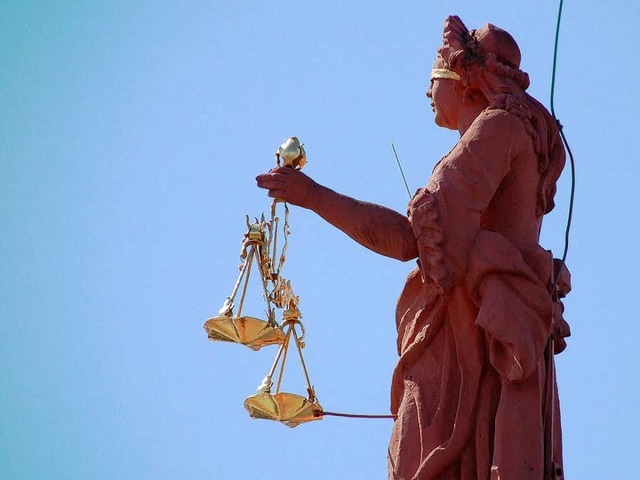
445	99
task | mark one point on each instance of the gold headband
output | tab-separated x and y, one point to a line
444	73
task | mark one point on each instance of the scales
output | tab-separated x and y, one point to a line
260	247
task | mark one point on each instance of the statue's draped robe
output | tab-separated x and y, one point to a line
475	317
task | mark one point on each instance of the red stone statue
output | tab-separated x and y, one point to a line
478	319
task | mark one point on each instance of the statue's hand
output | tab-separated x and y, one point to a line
289	185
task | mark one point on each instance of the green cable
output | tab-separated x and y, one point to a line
564	140
555	59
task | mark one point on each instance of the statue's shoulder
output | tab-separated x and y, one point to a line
495	132
496	122
495	117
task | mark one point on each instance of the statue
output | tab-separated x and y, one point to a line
480	316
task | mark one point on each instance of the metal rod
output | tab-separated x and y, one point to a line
274	273
275	362
250	257
267	299
284	358
237	285
273	232
401	171
304	366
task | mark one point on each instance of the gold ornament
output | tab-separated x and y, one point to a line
444	73
292	153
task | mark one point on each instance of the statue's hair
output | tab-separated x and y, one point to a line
488	61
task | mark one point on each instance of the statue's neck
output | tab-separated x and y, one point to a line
468	113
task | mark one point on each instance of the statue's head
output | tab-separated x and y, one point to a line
495	41
485	61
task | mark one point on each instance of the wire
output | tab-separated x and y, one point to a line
352	415
565	142
400	167
551	469
571	198
555	59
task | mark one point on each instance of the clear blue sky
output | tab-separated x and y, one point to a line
130	136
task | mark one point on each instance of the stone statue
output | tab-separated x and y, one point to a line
478	319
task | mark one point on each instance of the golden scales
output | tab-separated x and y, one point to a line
259	246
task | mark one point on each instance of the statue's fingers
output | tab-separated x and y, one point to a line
270	181
279	194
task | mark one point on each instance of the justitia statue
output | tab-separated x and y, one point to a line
480	316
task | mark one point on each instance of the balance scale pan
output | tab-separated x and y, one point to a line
288	408
249	331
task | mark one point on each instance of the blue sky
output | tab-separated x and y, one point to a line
130	136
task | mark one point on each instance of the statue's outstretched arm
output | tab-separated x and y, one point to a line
377	228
